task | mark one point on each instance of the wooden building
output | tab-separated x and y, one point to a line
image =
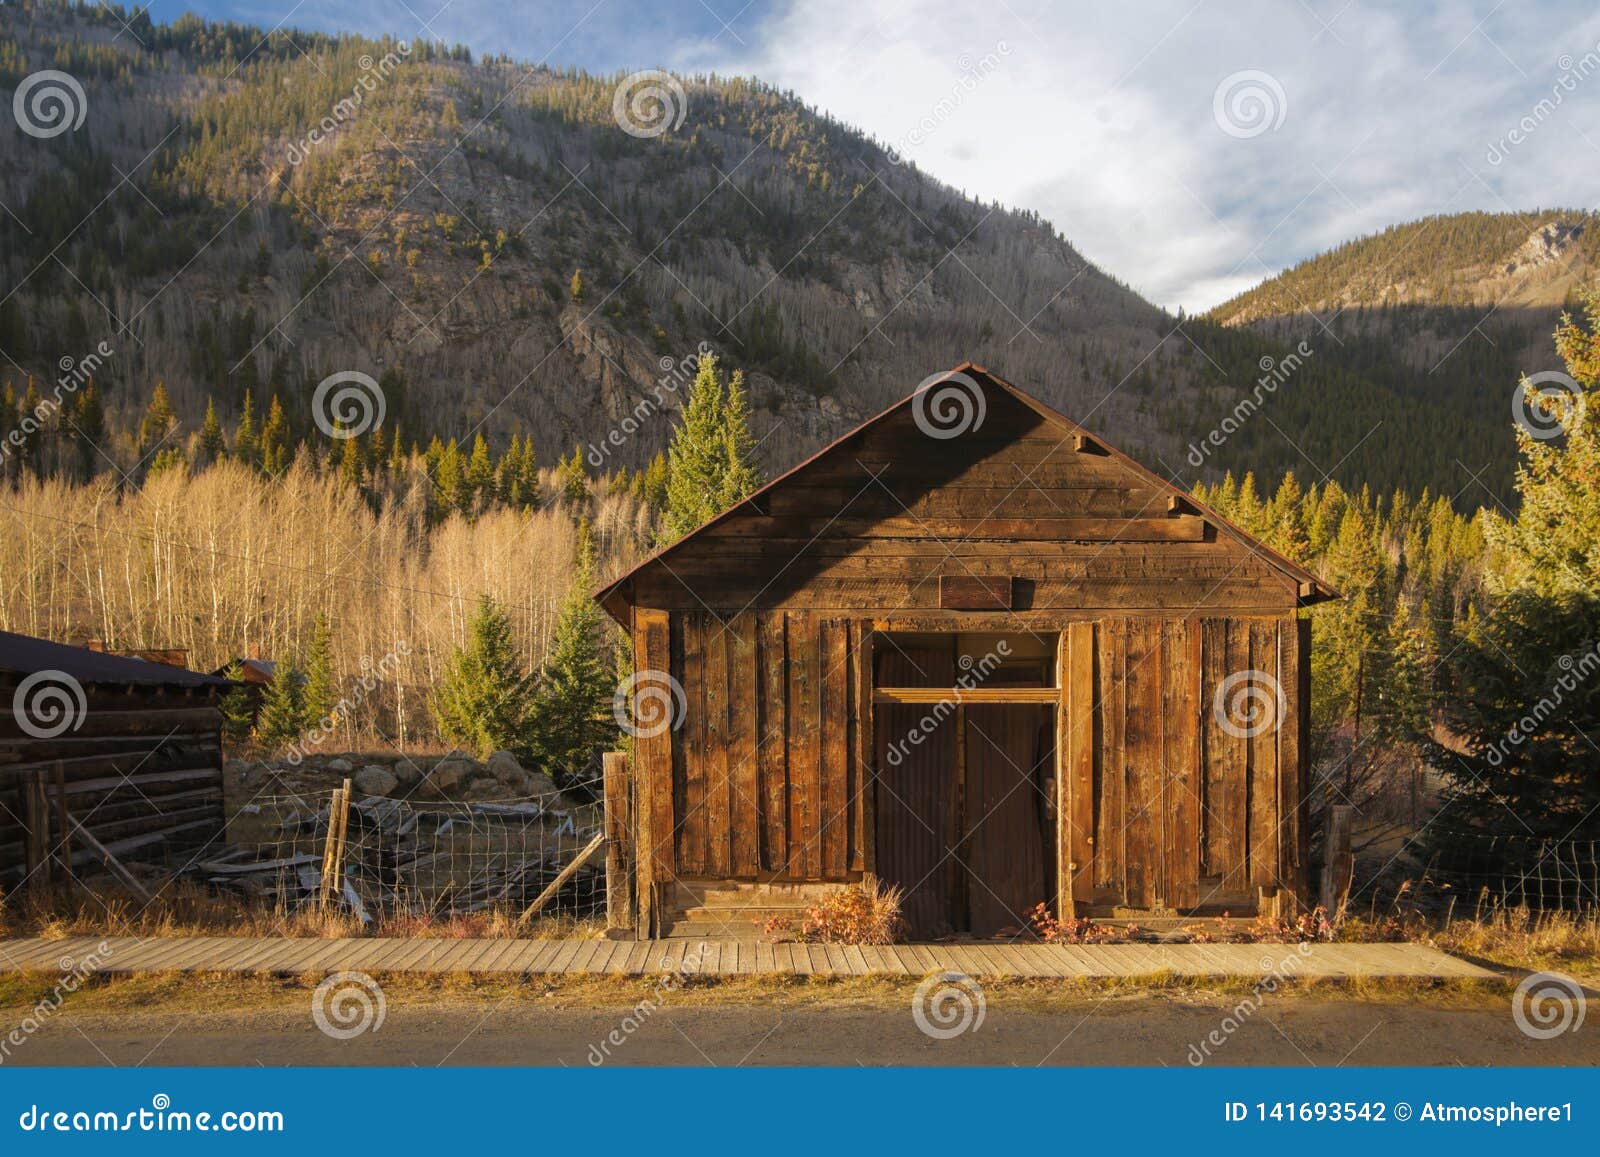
971	650
127	748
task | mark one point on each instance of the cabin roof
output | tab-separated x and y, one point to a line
26	655
614	595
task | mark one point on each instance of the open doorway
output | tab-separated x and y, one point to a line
965	730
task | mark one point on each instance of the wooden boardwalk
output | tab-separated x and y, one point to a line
238	954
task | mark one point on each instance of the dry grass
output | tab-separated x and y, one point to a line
187	909
169	992
855	915
1518	938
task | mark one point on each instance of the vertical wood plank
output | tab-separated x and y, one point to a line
1263	748
835	748
1180	722
1066	904
653	774
715	743
1291	866
744	726
619	840
1142	742
1081	694
805	781
863	785
772	758
690	755
1111	830
1225	651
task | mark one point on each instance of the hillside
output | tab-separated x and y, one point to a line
242	214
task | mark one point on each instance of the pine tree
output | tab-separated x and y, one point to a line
278	723
571	722
576	287
1553	543
709	463
274	444
481	703
245	442
574	478
352	465
480	474
238	713
158	422
320	694
211	441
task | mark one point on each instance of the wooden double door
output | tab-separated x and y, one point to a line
965	812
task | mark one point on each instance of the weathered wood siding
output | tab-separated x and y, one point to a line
1184	739
880	521
142	771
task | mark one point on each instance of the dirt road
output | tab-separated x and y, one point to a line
1115	1031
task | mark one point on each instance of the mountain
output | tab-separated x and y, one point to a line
1447	312
522	251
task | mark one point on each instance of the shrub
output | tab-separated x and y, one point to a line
854	915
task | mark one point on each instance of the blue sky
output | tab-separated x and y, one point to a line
1190	147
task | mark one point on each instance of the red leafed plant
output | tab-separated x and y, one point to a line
1081	930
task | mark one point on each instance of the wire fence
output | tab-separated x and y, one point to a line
1466	870
395	858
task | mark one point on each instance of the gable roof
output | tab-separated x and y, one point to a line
612	596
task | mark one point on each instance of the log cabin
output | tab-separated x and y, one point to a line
127	748
972	651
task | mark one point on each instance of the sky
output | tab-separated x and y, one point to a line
1190	149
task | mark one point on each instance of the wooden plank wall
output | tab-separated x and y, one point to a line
1194	808
142	770
765	772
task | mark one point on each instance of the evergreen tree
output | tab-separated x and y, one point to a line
320	694
238	713
709	465
571	722
211	441
158	422
278	723
574	478
245	439
481	703
480	474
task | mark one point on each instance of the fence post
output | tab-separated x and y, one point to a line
1338	864
619	846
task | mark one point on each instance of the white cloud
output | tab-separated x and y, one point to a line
1102	120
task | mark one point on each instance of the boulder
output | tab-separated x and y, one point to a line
538	784
505	768
453	770
375	780
485	788
407	770
339	766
